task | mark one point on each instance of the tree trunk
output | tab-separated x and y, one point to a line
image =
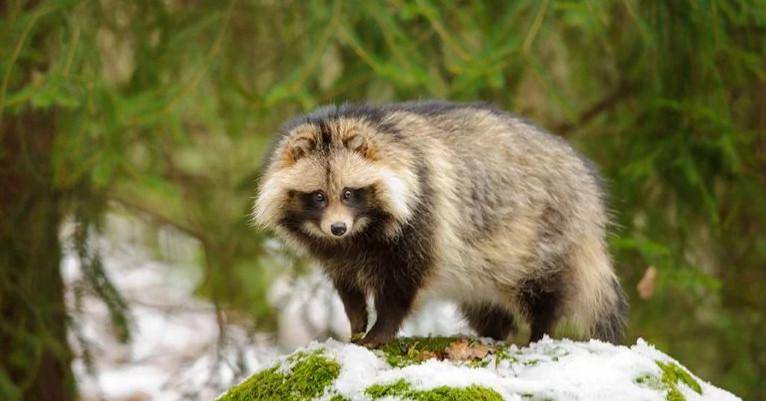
35	357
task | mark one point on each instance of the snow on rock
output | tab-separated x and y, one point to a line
451	368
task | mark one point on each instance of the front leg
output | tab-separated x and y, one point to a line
355	304
392	303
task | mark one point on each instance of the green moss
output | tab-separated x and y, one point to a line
533	397
409	351
481	363
401	389
505	353
672	374
338	398
398	388
309	374
555	352
652	382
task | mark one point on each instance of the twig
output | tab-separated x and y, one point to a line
157	217
622	91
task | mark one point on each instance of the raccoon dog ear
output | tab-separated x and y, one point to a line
299	148
357	143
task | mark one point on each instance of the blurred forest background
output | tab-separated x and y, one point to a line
161	110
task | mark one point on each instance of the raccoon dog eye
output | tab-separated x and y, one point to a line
318	197
347	194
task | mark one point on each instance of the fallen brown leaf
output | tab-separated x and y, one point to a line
464	350
645	287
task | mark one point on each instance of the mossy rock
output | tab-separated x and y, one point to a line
303	376
463	369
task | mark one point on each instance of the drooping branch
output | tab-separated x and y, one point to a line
623	90
156	217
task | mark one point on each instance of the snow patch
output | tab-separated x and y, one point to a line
558	370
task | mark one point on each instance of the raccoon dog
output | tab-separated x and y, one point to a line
463	201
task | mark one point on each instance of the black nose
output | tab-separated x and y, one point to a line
338	229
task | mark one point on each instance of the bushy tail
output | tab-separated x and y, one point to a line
611	323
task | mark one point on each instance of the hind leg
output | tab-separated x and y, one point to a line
542	302
489	320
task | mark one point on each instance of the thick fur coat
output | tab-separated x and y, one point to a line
459	201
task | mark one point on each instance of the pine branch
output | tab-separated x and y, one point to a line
623	91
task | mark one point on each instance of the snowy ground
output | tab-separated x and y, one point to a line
558	370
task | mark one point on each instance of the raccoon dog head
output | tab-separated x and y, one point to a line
332	177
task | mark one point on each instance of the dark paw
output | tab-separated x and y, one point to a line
357	338
371	344
358	329
373	341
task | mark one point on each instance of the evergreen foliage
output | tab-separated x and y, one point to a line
163	109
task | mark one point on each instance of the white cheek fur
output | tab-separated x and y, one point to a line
267	205
399	193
